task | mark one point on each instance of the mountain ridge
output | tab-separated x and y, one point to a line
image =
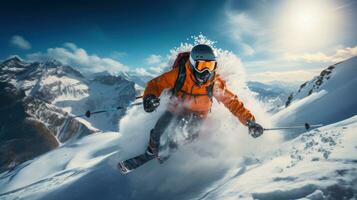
47	95
327	98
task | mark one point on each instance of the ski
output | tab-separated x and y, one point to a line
128	165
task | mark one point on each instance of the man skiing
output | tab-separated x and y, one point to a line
193	82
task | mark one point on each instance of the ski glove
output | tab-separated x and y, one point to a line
255	129
150	102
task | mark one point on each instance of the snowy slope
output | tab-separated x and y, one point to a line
318	164
328	98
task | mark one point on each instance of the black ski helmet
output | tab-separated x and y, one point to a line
201	52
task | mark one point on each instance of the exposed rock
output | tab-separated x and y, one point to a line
307	88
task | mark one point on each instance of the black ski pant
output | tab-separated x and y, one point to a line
170	120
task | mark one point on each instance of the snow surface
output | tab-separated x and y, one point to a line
320	163
332	101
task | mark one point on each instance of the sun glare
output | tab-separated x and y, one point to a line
306	24
305	21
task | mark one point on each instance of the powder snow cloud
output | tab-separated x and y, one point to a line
20	42
72	55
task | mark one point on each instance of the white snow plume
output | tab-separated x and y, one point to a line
232	70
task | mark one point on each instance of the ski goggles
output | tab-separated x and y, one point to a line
203	65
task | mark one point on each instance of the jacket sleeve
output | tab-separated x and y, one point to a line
160	83
231	101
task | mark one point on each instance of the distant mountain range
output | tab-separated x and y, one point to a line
38	102
273	95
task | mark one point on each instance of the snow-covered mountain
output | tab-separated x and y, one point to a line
329	97
41	97
67	88
315	85
274	95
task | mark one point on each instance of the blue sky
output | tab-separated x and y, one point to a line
275	39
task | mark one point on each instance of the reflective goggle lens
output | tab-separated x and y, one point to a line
202	65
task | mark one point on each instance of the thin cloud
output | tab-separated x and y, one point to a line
153	59
294	76
118	54
77	57
344	6
340	55
70	46
249	29
247	49
240	28
20	42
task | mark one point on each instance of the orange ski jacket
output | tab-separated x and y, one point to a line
194	98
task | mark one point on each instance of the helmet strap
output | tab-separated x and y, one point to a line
210	78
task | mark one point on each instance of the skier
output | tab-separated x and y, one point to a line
193	82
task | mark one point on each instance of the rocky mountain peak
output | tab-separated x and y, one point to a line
331	75
14	61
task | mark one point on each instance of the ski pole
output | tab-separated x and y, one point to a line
88	113
306	127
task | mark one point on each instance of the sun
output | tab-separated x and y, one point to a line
305	18
305	23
